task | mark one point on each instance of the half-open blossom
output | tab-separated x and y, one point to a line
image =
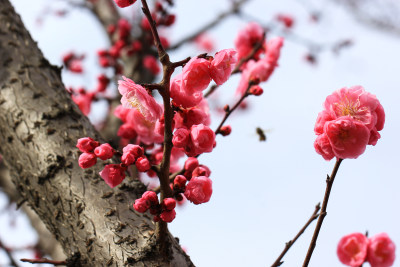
381	251
180	138
135	96
222	65
113	174
352	249
196	75
181	96
203	138
199	190
247	38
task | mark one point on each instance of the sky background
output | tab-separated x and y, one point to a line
264	192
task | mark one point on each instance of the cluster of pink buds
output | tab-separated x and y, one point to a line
355	249
149	201
73	62
91	151
160	15
349	122
265	59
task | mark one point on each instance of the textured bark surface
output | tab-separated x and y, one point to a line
39	126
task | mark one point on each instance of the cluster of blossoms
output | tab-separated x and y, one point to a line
349	122
265	59
194	184
355	249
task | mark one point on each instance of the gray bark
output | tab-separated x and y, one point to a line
39	126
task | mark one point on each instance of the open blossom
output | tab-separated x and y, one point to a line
352	249
181	96
350	121
135	96
113	174
222	65
381	251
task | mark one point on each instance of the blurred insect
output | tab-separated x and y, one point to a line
261	134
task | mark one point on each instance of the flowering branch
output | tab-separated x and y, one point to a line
329	183
234	10
239	65
289	244
44	260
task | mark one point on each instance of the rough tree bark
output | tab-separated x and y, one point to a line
39	126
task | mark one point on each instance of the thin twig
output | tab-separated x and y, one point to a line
9	255
233	10
44	260
289	244
329	183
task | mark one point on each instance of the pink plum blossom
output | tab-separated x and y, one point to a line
135	96
199	190
113	174
222	65
247	38
203	138
181	137
181	96
87	144
381	251
196	75
352	249
87	160
104	151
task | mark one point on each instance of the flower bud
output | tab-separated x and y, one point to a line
225	130
141	205
104	151
169	204
87	160
199	190
168	216
142	164
87	144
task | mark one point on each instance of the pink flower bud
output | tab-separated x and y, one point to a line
87	160
150	196
180	138
225	130
352	249
141	205
124	3
113	174
168	216
203	138
136	150
199	190
256	90
169	203
201	170
180	181
87	144
196	75
381	251
104	151
191	163
151	63
142	164
128	159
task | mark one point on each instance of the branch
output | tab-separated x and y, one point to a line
289	244
329	183
44	260
233	10
39	126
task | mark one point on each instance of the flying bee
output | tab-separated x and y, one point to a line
261	134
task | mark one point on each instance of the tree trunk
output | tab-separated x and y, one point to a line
39	126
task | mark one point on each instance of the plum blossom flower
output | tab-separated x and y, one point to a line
222	65
247	38
199	190
349	122
135	96
352	249
381	251
196	75
113	174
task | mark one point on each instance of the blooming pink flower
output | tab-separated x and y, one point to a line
352	249
135	96
222	65
144	129
203	138
87	144
247	38
124	3
104	151
199	190
180	138
348	137
113	174
181	96
87	160
381	251
196	75
349	122
273	50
